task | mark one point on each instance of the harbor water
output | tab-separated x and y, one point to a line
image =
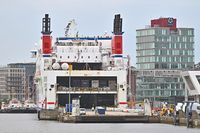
28	123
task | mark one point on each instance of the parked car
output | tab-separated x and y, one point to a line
100	110
82	111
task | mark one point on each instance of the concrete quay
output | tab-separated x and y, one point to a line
110	117
91	117
120	117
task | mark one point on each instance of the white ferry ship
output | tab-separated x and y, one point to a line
92	69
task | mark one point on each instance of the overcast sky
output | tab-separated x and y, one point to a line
20	21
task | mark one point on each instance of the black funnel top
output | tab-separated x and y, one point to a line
117	29
46	22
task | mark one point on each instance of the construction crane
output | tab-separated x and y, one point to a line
70	30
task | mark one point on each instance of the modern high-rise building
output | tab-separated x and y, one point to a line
16	83
163	50
20	80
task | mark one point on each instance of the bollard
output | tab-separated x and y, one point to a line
176	118
189	121
38	115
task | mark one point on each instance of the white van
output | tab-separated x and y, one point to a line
196	107
188	104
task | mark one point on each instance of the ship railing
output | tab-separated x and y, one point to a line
99	89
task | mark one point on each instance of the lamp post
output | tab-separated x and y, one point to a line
70	69
79	97
45	101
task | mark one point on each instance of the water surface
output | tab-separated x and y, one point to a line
28	123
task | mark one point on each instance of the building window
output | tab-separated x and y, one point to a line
190	32
164	32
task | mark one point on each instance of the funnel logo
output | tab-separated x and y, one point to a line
170	21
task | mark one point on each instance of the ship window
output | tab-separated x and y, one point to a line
88	57
52	86
82	57
96	57
68	57
75	57
45	79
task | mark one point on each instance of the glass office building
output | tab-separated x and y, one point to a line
163	50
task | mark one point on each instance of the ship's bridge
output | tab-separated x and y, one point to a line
81	50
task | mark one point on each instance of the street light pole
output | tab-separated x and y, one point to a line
45	106
70	69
